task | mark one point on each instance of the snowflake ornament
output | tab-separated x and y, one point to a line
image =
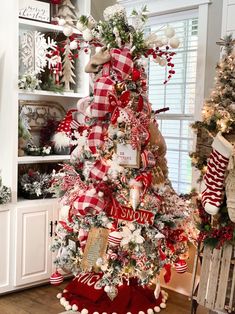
114	168
34	51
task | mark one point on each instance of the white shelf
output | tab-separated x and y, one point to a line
42	159
52	94
42	27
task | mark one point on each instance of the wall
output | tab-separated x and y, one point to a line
228	22
98	6
213	50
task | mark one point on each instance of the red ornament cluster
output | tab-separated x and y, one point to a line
168	55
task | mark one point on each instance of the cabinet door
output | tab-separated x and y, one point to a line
5	248
33	256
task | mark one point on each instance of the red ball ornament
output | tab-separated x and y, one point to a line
56	279
135	75
115	238
181	266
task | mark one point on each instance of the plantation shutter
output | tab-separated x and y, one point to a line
179	95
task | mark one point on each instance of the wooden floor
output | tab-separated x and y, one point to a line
42	300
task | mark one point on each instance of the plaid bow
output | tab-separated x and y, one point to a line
122	63
95	138
101	105
99	170
87	202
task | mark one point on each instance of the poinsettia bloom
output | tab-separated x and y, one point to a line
129	236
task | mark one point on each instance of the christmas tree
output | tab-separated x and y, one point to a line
68	67
216	160
67	13
121	221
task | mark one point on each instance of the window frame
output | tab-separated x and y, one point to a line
162	7
164	20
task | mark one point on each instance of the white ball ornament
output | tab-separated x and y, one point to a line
80	26
96	313
73	45
157	309
164	40
157	59
120	134
162	62
169	32
74	307
68	31
101	194
65	291
150	311
87	35
163	305
158	43
174	42
141	312
61	22
84	311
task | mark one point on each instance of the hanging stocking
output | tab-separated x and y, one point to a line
213	180
230	192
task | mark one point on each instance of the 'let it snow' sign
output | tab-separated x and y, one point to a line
34	10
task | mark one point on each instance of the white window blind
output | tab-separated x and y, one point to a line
179	95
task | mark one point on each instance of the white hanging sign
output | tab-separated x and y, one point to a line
128	156
34	10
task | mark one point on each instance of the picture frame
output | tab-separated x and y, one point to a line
35	10
128	156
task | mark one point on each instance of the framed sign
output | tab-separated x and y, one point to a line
128	156
34	10
95	248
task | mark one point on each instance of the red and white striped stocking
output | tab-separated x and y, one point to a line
213	180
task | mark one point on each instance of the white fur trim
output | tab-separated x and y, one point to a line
222	145
211	209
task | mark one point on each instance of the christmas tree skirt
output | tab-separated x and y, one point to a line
131	299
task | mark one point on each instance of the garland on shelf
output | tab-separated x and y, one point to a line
5	193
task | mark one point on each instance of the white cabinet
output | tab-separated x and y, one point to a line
25	225
35	225
5	240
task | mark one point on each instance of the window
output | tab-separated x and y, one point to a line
179	95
